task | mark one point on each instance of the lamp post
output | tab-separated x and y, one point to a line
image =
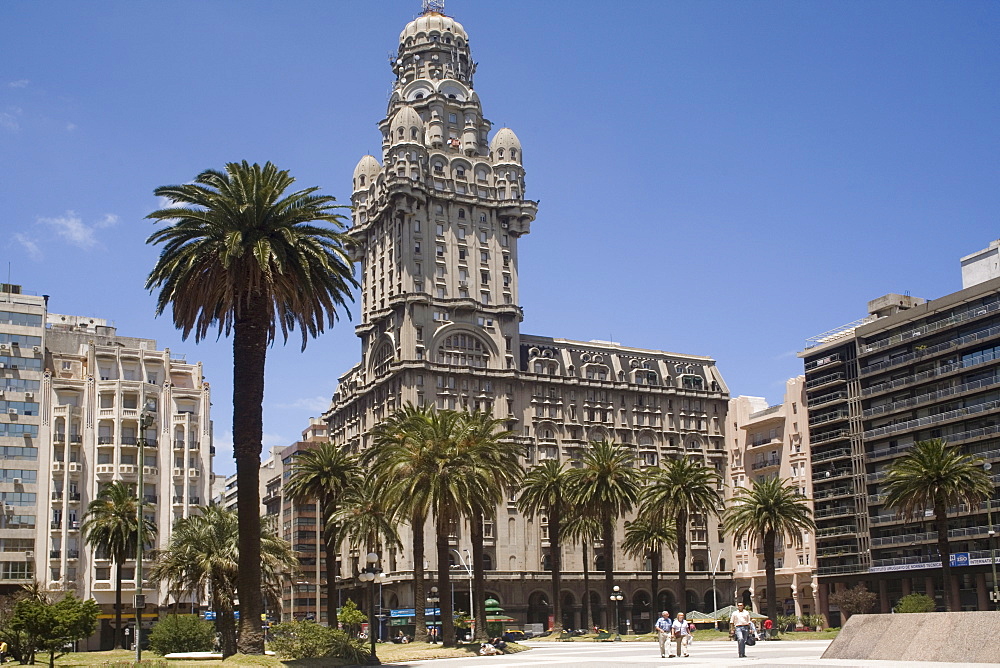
991	535
715	602
434	601
145	420
370	575
616	596
468	569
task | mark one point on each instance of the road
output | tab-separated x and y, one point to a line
588	654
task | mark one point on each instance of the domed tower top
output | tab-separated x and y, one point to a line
406	126
366	172
506	147
433	46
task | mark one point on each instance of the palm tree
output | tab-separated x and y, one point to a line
608	485
242	256
935	475
403	460
203	556
682	487
768	510
579	526
544	492
111	526
492	459
323	474
646	537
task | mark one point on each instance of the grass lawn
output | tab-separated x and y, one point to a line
387	653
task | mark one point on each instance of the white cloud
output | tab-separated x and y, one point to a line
72	228
30	247
70	127
20	83
316	404
8	121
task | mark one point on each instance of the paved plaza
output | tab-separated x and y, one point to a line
580	654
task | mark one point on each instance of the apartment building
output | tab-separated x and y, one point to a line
911	370
773	442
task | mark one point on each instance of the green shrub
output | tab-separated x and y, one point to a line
916	603
346	647
309	640
182	633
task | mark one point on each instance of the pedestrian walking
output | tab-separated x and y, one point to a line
768	625
680	632
3	651
739	628
663	626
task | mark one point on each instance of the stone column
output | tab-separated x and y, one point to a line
795	598
883	597
823	605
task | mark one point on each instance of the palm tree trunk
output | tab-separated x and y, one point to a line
772	587
682	518
444	582
588	617
226	624
608	531
419	588
478	611
555	556
250	336
119	636
944	550
330	546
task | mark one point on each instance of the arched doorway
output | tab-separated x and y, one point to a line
747	600
692	601
713	601
641	613
596	610
666	601
539	608
568	612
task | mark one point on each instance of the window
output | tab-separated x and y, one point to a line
504	241
453	118
484	256
463	350
416	247
461	214
439	251
440	230
460	232
483	236
461	254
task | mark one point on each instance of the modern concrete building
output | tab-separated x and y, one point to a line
766	442
439	218
74	394
910	371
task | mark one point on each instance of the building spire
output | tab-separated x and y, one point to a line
433	6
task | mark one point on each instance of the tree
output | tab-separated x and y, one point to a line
182	633
645	537
403	459
203	556
580	526
937	476
324	473
854	601
544	492
51	626
491	458
242	256
351	616
607	484
916	603
111	526
768	510
675	492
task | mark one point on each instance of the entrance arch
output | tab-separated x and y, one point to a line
641	613
539	609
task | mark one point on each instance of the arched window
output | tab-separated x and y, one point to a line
500	154
692	382
461	213
361	179
400	133
413	133
513	154
463	350
487	561
382	359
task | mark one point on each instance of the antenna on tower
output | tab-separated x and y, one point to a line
433	6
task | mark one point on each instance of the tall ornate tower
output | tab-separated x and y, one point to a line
439	220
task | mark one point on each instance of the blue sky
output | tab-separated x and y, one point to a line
716	178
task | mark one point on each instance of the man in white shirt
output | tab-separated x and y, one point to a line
739	627
663	625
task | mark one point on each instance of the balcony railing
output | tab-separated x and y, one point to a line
768	463
830	493
931	350
966	532
927	375
829	417
932	419
962	316
832	474
830	436
839	530
105	440
832	454
825	380
932	396
842	511
827	398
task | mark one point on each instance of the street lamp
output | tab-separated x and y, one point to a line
616	596
468	569
434	601
991	534
715	602
370	575
145	420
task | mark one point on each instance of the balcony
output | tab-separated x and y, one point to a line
938	418
150	498
104	469
910	538
73	554
835	358
823	381
841	414
839	453
840	511
129	440
931	396
962	316
975	337
194	500
150	470
178	500
55	524
836	551
74	496
840	570
59	438
839	530
128	469
827	399
761	442
832	474
55	554
830	436
833	493
58	465
765	464
105	440
178	444
74	467
57	496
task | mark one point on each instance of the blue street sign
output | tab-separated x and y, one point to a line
209	615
